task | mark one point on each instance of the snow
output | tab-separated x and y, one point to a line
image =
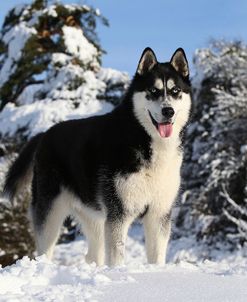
112	76
44	281
41	115
16	39
28	94
78	45
38	115
178	284
51	10
69	278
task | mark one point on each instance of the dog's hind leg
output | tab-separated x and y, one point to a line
96	244
47	223
157	230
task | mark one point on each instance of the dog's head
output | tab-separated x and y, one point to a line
161	94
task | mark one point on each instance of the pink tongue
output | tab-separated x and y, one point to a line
165	130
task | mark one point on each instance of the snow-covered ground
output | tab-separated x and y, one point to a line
69	278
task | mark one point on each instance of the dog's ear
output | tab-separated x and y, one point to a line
147	61
180	63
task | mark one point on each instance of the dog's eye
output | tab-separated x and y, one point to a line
153	90
175	90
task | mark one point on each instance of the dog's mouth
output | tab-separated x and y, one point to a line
164	128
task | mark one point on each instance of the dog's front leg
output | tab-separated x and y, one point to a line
115	237
157	230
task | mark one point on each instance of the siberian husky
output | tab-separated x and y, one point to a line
108	170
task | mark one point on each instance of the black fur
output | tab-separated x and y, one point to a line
20	167
82	155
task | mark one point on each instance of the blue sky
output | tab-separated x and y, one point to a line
162	25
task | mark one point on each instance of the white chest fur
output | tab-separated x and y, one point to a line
155	185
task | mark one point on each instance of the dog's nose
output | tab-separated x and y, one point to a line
168	112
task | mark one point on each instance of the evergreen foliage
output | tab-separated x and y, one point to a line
42	29
215	174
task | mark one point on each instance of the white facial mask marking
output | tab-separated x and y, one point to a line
170	83
142	106
159	84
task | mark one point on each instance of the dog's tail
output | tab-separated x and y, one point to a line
21	171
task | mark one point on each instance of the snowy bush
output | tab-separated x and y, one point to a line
215	174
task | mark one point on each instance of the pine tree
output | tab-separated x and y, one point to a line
215	170
32	37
